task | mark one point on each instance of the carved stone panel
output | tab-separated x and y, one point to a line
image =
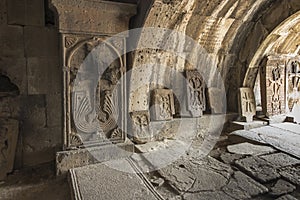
273	86
140	126
9	130
195	93
247	103
162	105
293	83
95	97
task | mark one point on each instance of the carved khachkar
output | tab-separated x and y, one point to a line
95	96
293	83
247	103
195	93
140	126
273	86
162	104
9	130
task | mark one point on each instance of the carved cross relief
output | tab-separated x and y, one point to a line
293	84
247	103
195	92
163	104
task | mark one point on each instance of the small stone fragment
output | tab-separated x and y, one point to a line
282	187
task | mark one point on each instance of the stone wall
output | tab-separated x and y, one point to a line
29	56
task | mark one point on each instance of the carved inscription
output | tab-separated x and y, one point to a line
196	93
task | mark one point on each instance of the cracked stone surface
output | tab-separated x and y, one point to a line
196	175
282	187
249	149
242	186
258	168
229	158
292	174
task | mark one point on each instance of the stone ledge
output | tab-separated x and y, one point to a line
66	160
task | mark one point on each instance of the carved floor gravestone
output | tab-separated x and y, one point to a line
247	103
195	93
162	104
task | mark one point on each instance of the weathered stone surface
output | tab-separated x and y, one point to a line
26	12
280	160
287	197
237	125
11	41
15	69
258	168
3	12
229	158
214	94
241	186
195	175
247	103
292	174
207	196
44	75
115	16
272	86
100	181
66	160
46	45
288	126
9	132
249	149
281	139
282	187
162	105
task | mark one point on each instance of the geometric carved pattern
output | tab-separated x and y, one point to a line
293	83
195	93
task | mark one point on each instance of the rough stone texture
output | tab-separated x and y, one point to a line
26	12
115	16
249	149
279	160
108	183
241	186
197	175
208	196
47	46
281	139
287	197
247	103
66	160
9	132
258	169
282	187
11	41
229	158
292	174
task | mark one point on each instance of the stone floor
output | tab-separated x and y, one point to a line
237	168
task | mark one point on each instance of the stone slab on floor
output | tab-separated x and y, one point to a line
295	128
242	186
258	168
281	139
249	149
279	160
218	195
291	173
196	175
282	187
100	181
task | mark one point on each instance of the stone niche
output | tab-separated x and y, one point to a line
9	124
94	73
